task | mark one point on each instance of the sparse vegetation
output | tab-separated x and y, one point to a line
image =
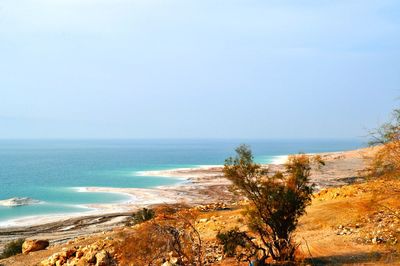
231	240
360	219
386	161
276	203
171	236
12	248
142	215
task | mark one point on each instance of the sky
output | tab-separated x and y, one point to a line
197	68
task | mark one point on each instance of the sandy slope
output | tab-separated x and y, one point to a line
328	211
368	205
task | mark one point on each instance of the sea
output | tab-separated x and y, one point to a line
54	173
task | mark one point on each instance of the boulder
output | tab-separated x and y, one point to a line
103	258
90	256
34	245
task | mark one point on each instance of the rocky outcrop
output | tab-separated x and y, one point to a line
103	258
97	254
34	245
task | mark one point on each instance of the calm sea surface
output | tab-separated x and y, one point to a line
51	171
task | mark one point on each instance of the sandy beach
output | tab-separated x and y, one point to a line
197	186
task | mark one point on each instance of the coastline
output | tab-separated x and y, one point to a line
196	186
206	185
137	197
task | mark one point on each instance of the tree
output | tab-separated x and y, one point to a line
276	203
386	161
387	132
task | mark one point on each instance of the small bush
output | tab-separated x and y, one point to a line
231	240
12	248
386	161
143	215
171	236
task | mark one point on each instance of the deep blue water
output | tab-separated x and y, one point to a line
49	170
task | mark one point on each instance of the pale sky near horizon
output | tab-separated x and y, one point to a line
197	68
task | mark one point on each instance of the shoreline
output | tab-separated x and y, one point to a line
345	207
136	196
192	188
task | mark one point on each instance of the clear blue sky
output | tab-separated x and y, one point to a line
203	68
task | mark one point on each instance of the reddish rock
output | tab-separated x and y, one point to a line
34	245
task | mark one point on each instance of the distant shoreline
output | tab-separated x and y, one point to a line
190	182
199	186
137	196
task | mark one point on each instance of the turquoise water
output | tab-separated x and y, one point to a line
52	170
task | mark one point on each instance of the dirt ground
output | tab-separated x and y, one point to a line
356	224
353	224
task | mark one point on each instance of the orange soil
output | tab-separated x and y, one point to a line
369	210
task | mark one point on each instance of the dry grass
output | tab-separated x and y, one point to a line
368	204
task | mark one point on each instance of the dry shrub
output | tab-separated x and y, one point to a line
170	236
141	216
276	203
12	248
386	161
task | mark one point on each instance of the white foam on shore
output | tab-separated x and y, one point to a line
91	210
279	159
178	173
33	220
131	198
161	173
142	197
208	166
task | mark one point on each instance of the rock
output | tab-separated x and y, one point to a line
34	245
70	252
15	202
61	261
377	240
174	260
94	255
90	256
103	258
79	254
